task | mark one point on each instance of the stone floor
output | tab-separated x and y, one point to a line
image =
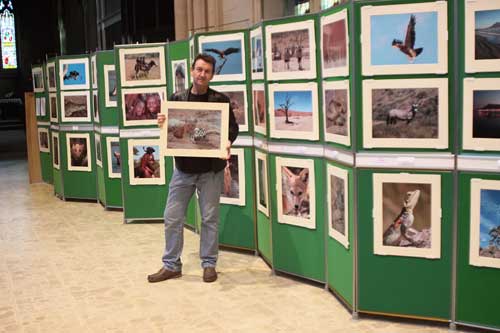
74	267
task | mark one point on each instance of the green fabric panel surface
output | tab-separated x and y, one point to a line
477	287
340	267
403	285
264	245
57	178
108	116
237	226
112	187
46	167
101	188
299	250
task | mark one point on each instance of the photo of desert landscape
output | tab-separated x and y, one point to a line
487	34
293	110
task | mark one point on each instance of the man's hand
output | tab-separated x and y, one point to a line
161	120
228	149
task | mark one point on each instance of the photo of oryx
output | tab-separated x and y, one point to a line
405	113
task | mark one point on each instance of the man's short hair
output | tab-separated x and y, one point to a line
206	58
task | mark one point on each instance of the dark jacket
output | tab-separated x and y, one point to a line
205	164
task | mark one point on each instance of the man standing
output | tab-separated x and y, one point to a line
205	175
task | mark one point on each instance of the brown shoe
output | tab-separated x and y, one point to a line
209	274
163	274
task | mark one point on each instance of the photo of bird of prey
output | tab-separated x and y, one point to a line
222	56
408	46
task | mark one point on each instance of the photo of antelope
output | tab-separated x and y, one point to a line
143	66
406	212
336	111
290	51
405	113
486	114
489	226
76	106
334	47
295	191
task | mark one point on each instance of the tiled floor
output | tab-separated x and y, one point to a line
74	267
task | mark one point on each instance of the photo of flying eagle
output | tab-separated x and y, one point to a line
408	46
223	56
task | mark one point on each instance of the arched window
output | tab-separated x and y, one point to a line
8	35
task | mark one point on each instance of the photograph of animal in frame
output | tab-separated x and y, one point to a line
56	155
407	215
142	66
335	44
233	191
237	94
74	74
38	82
43	139
93	68
114	157
146	165
229	53
51	76
98	149
338	204
195	129
262	181
75	106
79	152
481	114
296	192
257	54
180	76
336	112
141	106
293	111
482	36
259	108
291	51
110	87
484	243
413	111
53	107
404	39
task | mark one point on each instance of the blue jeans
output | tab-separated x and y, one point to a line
181	189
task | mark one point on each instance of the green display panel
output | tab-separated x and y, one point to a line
475	294
262	203
237	228
109	175
46	167
58	183
177	53
299	250
101	189
340	257
107	88
56	171
403	285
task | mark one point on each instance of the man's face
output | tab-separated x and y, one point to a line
202	73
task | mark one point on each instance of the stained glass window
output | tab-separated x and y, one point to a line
8	35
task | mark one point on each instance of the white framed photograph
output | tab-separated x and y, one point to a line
481	114
237	94
407	215
142	66
259	108
95	105
53	108
43	139
38	81
229	53
404	39
51	76
262	182
337	112
56	153
406	113
335	44
78	152
233	191
41	106
296	192
482	41
338	204
110	87
141	106
74	74
75	106
98	149
484	244
114	157
293	111
180	77
93	66
146	166
191	50
257	54
291	51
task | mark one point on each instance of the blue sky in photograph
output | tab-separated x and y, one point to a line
80	68
385	28
490	214
302	100
233	64
484	97
486	18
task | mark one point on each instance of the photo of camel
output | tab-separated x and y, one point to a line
233	190
486	114
336	111
76	107
142	66
487	34
334	44
338	205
